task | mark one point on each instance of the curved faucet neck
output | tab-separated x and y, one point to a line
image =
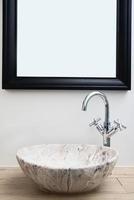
105	100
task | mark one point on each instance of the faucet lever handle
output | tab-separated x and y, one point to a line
94	122
119	125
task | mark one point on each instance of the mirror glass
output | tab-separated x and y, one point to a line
66	38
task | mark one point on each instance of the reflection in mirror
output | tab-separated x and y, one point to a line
66	38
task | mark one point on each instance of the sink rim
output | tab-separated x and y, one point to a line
91	166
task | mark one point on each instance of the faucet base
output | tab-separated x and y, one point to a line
106	142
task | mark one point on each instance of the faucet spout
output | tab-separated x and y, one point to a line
105	100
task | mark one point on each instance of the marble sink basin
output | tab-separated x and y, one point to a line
67	168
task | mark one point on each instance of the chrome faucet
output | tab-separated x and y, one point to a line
106	130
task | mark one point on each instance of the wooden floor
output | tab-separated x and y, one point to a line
15	186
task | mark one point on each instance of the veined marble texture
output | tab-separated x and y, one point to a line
67	168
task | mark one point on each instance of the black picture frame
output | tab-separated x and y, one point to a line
123	57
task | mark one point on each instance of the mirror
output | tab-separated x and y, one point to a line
66	44
66	38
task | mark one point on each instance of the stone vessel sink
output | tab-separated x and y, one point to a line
67	168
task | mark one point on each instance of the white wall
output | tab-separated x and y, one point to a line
35	117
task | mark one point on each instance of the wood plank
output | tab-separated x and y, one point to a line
123	172
69	197
15	186
127	183
111	186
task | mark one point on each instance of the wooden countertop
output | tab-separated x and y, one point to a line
15	186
